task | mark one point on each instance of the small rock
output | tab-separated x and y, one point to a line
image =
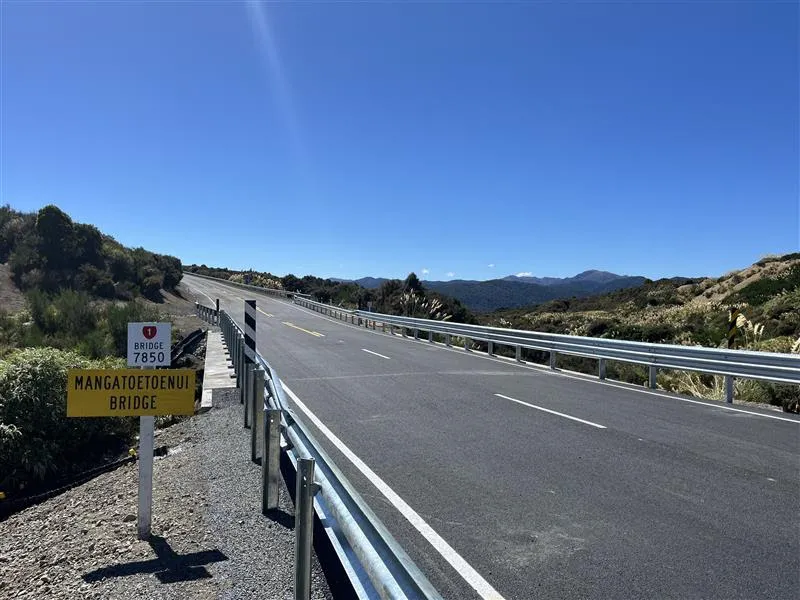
241	522
45	578
129	517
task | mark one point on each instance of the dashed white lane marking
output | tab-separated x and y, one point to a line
375	353
552	412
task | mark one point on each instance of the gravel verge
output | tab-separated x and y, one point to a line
210	539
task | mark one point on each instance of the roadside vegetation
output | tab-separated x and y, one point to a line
81	289
37	441
47	251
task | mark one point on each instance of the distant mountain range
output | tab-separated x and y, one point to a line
514	291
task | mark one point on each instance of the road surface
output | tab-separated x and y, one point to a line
510	481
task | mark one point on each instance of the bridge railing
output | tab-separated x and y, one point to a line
766	366
377	565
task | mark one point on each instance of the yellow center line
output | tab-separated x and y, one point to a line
314	333
264	313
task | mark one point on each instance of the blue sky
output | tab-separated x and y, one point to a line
472	140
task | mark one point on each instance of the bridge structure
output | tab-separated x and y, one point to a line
485	477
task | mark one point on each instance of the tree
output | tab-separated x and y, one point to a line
57	243
412	283
89	245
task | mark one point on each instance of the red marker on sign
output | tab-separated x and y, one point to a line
149	331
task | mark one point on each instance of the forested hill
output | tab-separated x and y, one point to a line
682	311
48	251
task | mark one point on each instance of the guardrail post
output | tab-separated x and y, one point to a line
240	341
430	337
270	459
217	307
403	331
383	326
601	368
553	356
416	334
729	389
519	354
652	371
446	339
256	410
304	527
247	385
234	348
466	344
491	348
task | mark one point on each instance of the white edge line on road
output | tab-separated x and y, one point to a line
552	412
469	574
706	403
201	291
376	354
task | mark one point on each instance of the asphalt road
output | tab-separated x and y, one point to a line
548	485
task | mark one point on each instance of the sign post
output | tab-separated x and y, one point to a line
145	509
148	346
136	392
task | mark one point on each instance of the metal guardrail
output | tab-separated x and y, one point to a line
255	288
767	366
375	562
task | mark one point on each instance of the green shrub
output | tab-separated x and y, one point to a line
151	287
37	440
117	317
74	313
48	251
70	320
764	289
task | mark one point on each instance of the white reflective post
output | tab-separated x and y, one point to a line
146	427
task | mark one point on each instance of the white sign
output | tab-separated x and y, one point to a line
149	344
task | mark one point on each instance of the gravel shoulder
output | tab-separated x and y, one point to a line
209	537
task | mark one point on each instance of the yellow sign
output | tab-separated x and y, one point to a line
130	392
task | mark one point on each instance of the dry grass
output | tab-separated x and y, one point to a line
11	298
714	290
